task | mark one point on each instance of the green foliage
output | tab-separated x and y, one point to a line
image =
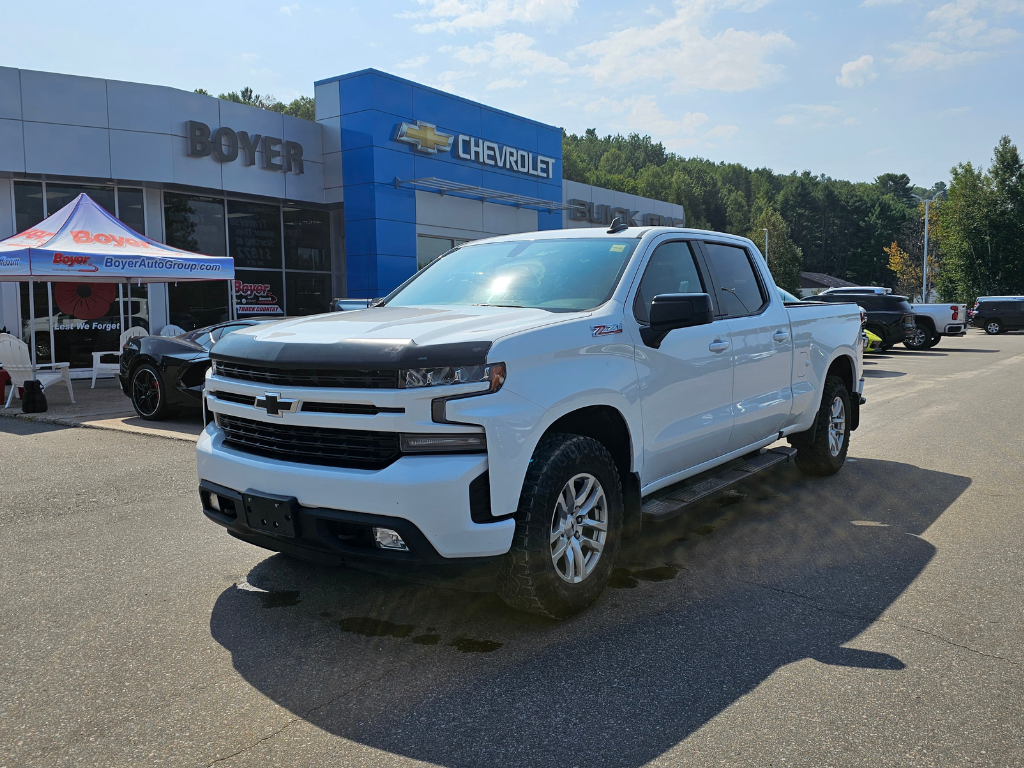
837	227
981	228
783	256
303	107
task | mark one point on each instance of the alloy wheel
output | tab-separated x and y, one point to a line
579	528
836	427
917	337
992	328
146	392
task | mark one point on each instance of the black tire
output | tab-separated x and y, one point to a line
815	453
918	338
529	579
148	393
935	339
993	327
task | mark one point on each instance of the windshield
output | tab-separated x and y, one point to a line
556	274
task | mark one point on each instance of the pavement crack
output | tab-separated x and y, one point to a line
304	716
869	620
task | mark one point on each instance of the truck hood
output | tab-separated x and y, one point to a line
382	337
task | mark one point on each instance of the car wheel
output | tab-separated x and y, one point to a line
822	450
918	338
993	327
568	528
149	396
935	339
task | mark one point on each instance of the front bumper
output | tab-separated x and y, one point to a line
426	496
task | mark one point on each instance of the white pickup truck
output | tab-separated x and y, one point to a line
522	403
933	321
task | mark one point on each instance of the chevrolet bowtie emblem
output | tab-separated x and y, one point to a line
424	136
274	405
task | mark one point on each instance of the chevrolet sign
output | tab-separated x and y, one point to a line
425	138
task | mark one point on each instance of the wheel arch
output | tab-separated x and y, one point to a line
607	425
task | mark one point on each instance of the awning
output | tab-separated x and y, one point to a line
444	187
82	242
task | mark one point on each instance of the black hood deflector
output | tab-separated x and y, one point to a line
350	354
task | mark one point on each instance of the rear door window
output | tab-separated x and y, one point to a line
739	291
671	269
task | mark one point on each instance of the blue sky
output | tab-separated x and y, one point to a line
848	89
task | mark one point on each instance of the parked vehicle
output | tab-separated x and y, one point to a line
933	321
163	374
889	317
523	401
998	313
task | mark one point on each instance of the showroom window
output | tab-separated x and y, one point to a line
429	247
195	224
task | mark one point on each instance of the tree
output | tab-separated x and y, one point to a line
303	107
981	228
783	255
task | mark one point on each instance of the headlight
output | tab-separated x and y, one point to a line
413	378
441	443
213	367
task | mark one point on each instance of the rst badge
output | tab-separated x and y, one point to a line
606	330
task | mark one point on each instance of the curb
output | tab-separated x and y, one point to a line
63	421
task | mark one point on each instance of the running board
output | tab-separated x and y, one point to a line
667	507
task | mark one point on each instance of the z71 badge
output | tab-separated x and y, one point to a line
606	330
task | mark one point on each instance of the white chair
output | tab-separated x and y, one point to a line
98	366
15	359
171	330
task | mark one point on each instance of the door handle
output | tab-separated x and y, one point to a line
781	336
718	345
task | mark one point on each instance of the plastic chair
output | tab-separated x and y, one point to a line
172	330
15	359
100	367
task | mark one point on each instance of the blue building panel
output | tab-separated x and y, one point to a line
380	220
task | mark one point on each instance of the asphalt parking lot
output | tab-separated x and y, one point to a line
874	618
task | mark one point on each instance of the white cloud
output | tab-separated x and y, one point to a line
506	82
512	52
723	132
460	15
685	52
414	63
854	74
931	55
287	9
815	115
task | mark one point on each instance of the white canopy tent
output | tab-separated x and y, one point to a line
82	243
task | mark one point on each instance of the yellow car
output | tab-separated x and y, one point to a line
871	342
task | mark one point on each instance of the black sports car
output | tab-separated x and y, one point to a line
162	374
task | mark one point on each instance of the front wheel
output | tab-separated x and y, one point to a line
993	328
822	450
149	396
568	528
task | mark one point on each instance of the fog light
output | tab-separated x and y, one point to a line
215	502
386	538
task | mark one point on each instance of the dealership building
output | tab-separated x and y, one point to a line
391	175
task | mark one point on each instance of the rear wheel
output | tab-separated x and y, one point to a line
935	339
822	450
568	528
993	327
918	338
149	396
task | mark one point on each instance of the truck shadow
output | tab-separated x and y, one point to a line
706	608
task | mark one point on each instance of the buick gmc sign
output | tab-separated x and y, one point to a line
225	145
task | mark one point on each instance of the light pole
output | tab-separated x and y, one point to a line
766	244
924	270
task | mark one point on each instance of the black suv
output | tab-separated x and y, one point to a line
890	317
999	313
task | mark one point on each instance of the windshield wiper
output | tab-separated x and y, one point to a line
507	306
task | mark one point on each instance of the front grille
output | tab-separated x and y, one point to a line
283	377
346	448
343	408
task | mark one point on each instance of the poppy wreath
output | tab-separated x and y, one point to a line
86	301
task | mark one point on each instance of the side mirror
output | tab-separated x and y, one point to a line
676	310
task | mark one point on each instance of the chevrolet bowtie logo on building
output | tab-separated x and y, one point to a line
275	406
425	137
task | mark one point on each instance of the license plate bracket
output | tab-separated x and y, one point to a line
275	515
